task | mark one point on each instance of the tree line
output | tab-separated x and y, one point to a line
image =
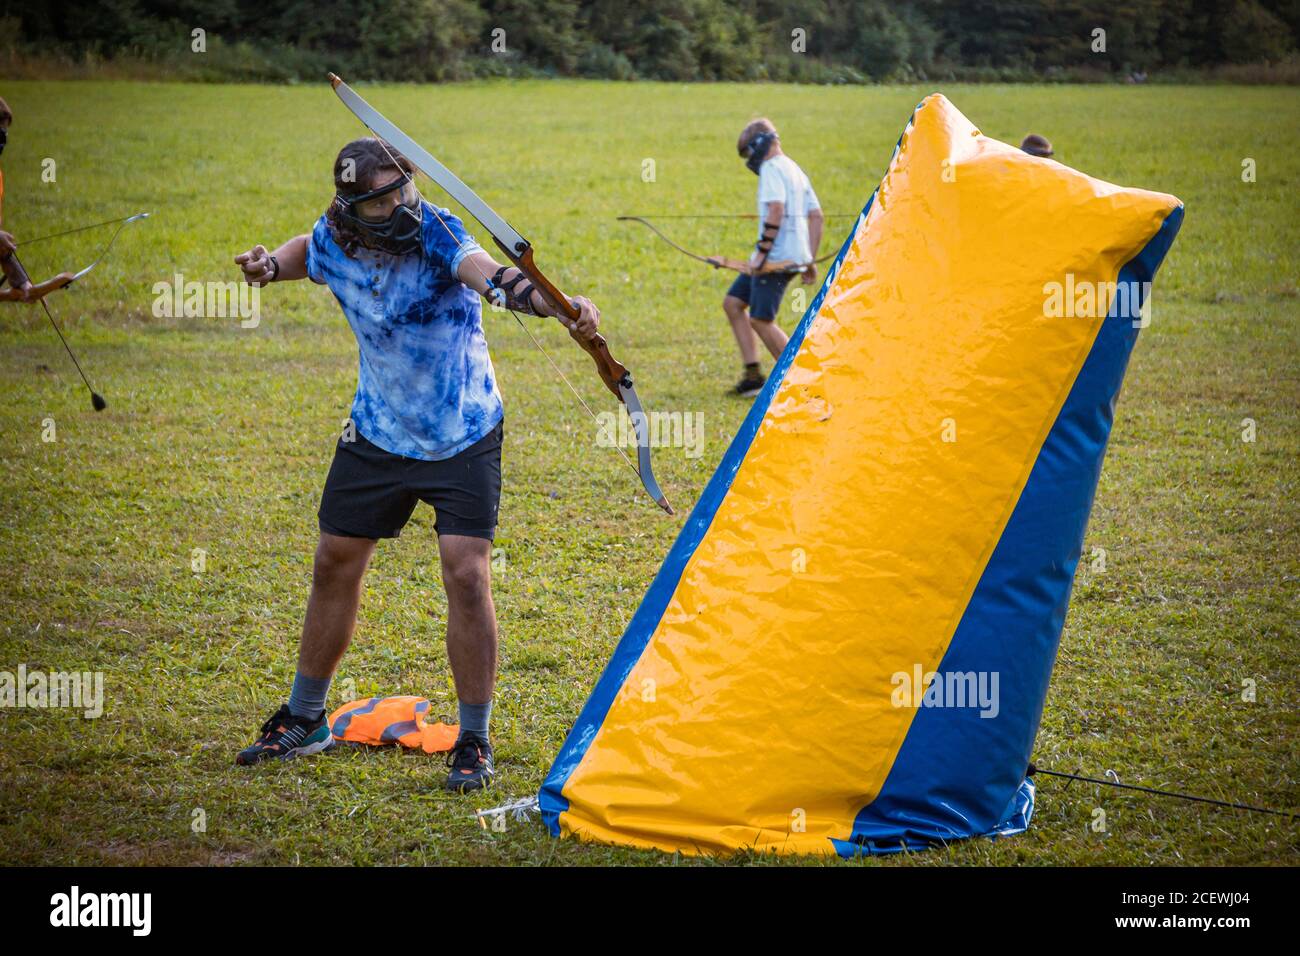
811	41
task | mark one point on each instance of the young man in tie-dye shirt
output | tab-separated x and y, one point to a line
426	426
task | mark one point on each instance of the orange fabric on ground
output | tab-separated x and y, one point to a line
380	721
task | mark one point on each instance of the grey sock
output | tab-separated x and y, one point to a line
474	719
307	699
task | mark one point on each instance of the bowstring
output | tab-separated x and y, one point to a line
66	346
500	302
68	232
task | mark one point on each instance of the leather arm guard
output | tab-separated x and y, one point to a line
507	294
764	244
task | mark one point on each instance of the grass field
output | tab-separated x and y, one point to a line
218	438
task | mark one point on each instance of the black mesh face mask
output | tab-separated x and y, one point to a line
4	138
380	225
756	150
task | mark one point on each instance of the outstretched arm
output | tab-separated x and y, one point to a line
288	262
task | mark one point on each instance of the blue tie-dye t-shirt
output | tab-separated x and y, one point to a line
425	387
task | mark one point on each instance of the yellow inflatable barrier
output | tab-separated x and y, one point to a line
848	648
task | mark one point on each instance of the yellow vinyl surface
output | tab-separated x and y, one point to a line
847	548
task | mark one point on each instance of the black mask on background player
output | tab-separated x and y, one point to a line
756	150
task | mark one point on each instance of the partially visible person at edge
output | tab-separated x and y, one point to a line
9	269
428	427
790	229
1036	145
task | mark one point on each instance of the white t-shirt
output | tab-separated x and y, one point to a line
781	180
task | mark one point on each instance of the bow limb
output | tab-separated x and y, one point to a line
718	262
777	266
790	267
122	224
715	261
612	372
735	265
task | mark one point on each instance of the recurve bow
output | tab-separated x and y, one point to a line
781	266
19	290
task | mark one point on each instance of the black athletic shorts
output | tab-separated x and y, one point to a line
371	493
761	293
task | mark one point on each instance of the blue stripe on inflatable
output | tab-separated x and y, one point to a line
1013	622
550	799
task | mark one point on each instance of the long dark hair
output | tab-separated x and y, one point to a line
356	169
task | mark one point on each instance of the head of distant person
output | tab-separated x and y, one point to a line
1036	145
758	142
376	204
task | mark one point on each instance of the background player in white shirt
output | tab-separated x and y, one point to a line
790	229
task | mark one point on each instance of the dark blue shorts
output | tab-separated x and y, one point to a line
371	493
761	293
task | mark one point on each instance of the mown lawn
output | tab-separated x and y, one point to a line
218	438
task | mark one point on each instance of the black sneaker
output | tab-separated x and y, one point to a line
285	736
750	385
471	765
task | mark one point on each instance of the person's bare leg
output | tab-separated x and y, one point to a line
738	315
336	577
471	616
772	335
327	628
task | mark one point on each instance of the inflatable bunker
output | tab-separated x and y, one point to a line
847	649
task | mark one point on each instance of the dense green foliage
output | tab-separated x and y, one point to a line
676	40
219	437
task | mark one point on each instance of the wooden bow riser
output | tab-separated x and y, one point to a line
17	275
612	372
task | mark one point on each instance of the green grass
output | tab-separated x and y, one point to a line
219	437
